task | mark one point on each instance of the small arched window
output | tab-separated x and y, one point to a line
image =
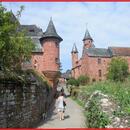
100	73
35	64
99	60
57	44
93	79
89	41
57	60
31	30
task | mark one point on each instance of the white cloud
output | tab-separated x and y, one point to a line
108	23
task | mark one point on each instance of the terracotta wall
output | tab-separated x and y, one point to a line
98	71
87	44
76	71
74	60
51	55
48	60
37	61
91	67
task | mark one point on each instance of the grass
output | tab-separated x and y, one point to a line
118	91
78	101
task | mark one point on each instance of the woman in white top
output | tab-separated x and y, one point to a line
60	106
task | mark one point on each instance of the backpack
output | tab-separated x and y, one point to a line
64	104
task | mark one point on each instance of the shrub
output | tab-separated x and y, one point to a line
118	69
73	81
118	91
74	93
95	118
15	47
83	80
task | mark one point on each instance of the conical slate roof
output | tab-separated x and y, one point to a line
74	49
51	32
87	36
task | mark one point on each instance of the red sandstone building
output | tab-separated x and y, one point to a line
47	61
94	61
45	57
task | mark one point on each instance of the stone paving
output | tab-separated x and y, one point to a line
74	117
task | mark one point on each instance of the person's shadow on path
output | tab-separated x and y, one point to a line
51	112
50	115
66	117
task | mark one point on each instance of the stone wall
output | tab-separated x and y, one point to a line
23	105
103	109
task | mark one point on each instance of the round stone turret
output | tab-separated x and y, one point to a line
50	42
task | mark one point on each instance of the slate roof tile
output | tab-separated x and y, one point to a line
120	51
97	52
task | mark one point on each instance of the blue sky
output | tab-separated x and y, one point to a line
107	22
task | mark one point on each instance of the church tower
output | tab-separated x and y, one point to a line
87	40
74	54
50	42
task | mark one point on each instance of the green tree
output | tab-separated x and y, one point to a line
73	81
15	47
83	80
118	69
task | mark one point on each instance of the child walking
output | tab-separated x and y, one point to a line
61	107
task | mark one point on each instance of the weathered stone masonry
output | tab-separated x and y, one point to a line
23	105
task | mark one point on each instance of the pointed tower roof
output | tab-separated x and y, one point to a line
87	36
51	32
74	49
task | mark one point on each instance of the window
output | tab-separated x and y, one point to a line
35	64
57	44
93	80
28	62
57	60
99	60
100	73
89	41
31	30
77	62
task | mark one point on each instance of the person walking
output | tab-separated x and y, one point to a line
62	90
61	106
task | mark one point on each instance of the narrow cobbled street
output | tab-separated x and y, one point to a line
74	117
